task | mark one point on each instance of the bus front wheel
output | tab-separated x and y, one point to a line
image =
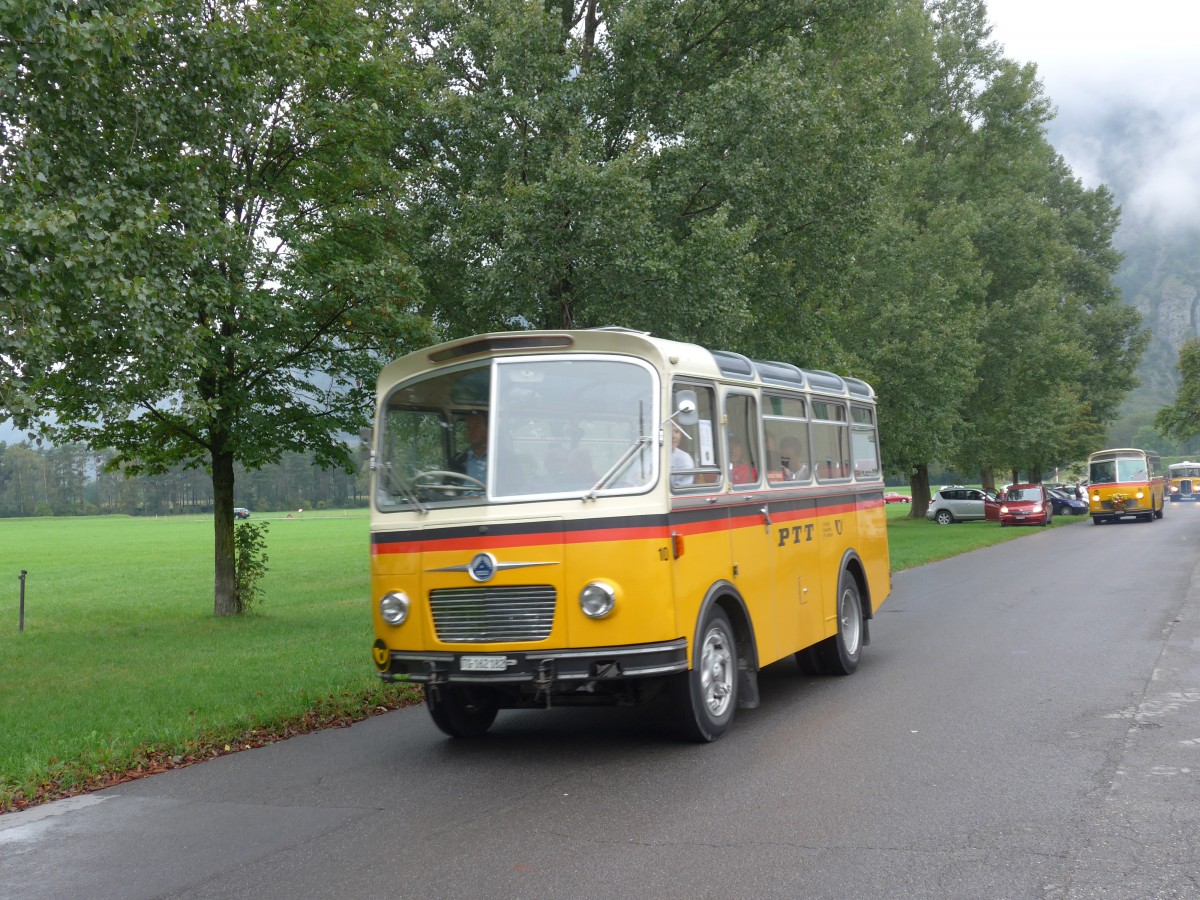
461	711
706	695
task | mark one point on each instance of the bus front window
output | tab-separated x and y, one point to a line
564	424
553	426
1131	469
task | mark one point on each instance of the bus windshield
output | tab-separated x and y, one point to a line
519	428
1122	469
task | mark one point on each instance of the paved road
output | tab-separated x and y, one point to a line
1026	723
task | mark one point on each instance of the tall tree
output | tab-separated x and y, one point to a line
913	330
591	154
200	248
1046	243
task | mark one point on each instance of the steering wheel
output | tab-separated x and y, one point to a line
444	480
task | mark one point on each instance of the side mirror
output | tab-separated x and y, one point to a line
366	446
686	409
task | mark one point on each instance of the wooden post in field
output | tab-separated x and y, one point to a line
21	618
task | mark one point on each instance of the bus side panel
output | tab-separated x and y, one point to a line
837	532
752	565
799	613
705	560
872	547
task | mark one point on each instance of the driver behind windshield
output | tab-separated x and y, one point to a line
472	461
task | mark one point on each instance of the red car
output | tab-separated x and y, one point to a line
893	497
1026	504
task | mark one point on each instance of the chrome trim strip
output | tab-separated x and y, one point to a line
499	566
658	670
677	644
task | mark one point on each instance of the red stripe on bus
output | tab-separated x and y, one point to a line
532	539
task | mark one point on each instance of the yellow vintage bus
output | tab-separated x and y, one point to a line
1125	482
604	517
1183	481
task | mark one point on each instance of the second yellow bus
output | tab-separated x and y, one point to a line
1125	482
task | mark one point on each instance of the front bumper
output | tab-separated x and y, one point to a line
541	667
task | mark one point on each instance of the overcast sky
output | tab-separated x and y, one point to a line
1111	62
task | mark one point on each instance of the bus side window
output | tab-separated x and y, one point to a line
697	441
745	459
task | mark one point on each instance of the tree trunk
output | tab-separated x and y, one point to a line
918	484
225	600
987	478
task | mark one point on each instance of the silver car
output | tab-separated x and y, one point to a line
963	504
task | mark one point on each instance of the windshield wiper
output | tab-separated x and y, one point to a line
399	486
618	467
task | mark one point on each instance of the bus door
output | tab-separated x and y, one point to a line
794	523
835	512
750	527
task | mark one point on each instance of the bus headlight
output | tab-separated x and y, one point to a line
393	607
597	600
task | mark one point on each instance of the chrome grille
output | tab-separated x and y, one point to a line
485	615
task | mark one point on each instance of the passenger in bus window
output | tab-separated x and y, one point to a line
741	471
680	459
794	466
473	460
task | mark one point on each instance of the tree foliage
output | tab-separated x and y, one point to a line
199	205
1181	419
591	155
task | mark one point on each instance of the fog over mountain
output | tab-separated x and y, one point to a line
1125	80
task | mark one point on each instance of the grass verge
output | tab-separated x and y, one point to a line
122	668
915	542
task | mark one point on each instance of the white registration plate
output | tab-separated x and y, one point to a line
483	663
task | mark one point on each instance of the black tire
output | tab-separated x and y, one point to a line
1160	511
944	517
809	661
706	695
462	711
839	655
1097	520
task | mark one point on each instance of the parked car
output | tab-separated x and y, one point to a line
963	504
240	512
893	497
1067	503
1026	504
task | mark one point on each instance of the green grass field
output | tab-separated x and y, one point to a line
122	661
122	666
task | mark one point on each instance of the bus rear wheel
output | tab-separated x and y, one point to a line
706	695
461	711
839	654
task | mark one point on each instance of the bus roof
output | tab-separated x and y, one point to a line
667	355
1121	451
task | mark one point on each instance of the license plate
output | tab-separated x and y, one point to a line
483	663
